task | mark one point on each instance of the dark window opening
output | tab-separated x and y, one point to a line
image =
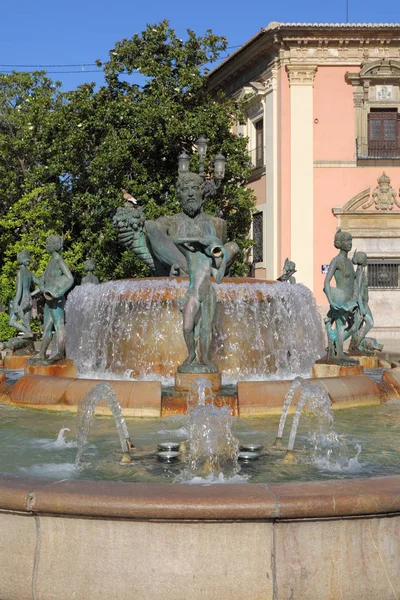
258	253
258	160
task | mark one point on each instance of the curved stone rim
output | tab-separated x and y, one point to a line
244	502
145	398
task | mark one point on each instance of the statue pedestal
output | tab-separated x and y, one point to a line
184	381
368	362
60	368
330	369
13	361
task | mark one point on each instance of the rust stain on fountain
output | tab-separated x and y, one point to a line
13	361
60	368
137	398
169	293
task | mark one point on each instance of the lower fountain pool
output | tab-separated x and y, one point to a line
364	444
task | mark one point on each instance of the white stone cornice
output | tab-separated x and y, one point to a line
301	74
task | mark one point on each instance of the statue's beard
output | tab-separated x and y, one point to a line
191	208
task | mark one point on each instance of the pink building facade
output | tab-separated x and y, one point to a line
323	110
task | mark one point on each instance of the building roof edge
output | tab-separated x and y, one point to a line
276	25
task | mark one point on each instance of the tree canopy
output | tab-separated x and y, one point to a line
66	156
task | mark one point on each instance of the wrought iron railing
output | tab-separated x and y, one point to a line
257	157
384	274
380	149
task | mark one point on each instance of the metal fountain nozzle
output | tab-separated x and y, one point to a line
216	251
214	248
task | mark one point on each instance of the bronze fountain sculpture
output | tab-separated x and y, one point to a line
191	243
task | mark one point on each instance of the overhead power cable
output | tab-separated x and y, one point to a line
51	66
76	64
59	72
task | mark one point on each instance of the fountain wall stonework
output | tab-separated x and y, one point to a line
319	540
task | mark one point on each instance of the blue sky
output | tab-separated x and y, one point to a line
50	32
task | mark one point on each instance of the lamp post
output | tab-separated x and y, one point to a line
219	168
219	165
183	162
202	151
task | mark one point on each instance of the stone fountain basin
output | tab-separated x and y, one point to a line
145	398
82	540
279	541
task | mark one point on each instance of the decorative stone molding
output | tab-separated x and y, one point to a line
307	44
334	164
371	73
354	203
378	223
376	85
253	94
383	198
270	84
254	90
301	74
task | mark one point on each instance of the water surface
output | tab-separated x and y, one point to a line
366	444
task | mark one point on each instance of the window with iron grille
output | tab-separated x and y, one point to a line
258	254
383	133
383	274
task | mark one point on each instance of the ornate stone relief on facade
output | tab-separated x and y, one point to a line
384	92
383	197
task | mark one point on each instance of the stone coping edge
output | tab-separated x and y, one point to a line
218	502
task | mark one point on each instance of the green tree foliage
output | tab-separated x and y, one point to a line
6	330
65	157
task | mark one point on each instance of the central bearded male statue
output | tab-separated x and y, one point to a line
153	241
191	243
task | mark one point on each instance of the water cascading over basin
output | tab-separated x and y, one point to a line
133	328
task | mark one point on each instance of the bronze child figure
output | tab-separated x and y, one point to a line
21	306
55	282
342	301
363	319
90	277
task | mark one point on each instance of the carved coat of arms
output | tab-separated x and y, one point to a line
383	196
